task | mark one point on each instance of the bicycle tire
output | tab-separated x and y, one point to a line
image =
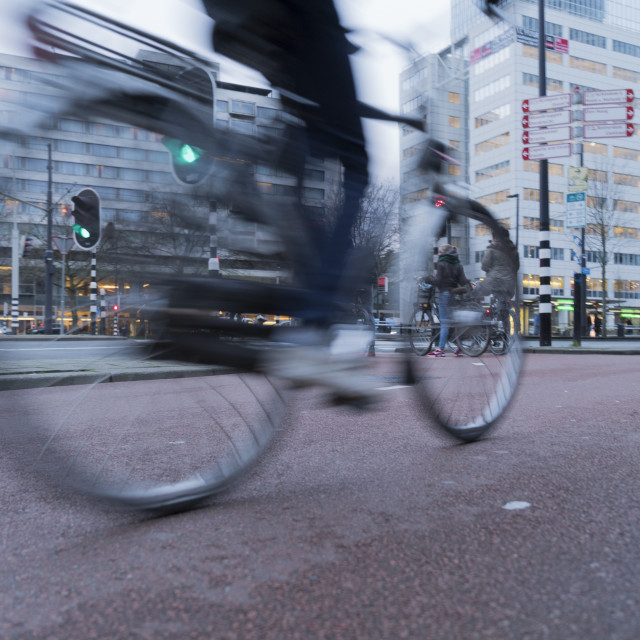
473	340
464	397
500	339
421	333
163	424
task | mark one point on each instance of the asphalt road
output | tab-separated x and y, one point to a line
364	525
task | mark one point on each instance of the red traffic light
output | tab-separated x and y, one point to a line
115	307
439	201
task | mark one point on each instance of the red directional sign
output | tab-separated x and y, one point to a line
560	101
546	119
600	114
545	151
616	130
555	134
612	96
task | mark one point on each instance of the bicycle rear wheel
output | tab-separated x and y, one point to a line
175	415
465	397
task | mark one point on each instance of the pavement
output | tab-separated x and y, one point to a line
23	373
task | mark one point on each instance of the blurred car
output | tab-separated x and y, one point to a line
5	330
55	329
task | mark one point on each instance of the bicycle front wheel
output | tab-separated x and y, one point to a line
421	333
464	396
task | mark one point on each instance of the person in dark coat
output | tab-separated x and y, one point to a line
448	279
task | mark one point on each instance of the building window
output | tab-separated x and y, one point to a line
222	106
530	251
625	47
493	143
550	28
492	116
626	206
493	171
587	65
530	284
585	37
493	87
454	97
625	179
534	166
454	169
557	253
555	197
626	154
625	74
242	108
415	196
554	57
630	259
626	289
412	105
454	121
494	198
532	80
596	148
629	233
557	285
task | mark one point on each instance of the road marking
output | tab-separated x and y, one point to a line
516	504
395	386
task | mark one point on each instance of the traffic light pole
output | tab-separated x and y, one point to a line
48	256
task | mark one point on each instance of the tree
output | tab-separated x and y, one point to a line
601	203
376	227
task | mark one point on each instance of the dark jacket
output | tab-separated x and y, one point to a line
501	263
449	272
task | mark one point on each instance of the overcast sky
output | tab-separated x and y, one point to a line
423	25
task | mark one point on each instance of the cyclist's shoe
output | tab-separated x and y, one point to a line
436	353
458	353
339	367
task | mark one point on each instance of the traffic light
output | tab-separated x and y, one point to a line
86	213
191	164
28	245
439	201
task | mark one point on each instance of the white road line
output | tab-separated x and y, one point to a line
395	386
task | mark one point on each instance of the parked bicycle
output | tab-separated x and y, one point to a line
168	444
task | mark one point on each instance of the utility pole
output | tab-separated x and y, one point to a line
544	306
48	256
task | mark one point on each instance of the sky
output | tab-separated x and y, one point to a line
422	25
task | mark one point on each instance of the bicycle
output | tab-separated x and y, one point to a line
170	444
469	332
505	324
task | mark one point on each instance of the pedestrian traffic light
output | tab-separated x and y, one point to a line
28	245
190	163
86	214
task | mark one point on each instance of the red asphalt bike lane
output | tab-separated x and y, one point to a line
363	525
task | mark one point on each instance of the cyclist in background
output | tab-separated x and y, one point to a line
449	278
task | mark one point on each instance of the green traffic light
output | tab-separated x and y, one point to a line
189	154
81	231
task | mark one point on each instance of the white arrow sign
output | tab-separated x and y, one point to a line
536	136
543	152
613	96
598	114
560	101
617	130
548	119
